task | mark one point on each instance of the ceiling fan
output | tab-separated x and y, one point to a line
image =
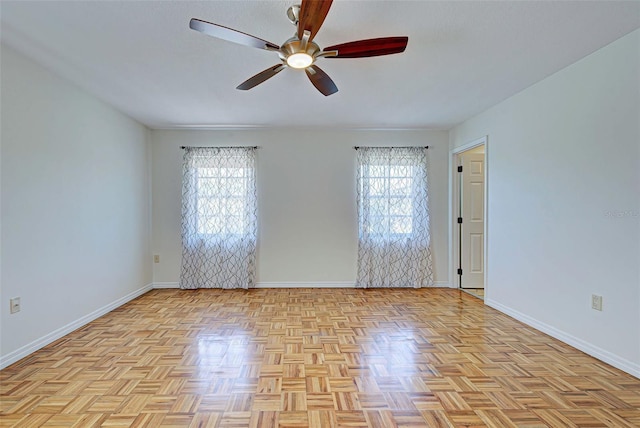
300	51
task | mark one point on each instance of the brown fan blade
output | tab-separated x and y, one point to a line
261	77
312	15
369	47
321	80
231	35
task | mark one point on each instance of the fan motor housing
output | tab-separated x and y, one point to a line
294	45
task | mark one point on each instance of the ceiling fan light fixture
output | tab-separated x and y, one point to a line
299	60
300	51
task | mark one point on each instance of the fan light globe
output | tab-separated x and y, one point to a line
299	60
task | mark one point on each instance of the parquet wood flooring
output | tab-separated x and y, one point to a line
313	357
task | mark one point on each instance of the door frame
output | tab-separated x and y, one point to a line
454	194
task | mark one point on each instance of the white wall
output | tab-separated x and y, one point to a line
75	206
306	200
564	202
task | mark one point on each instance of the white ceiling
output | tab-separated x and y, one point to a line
462	57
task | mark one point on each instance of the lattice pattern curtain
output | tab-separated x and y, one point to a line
394	248
218	218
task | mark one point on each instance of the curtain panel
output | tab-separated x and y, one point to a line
394	245
219	205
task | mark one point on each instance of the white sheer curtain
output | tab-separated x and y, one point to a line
394	248
218	218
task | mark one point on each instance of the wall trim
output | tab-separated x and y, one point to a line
299	284
20	353
157	285
586	347
310	284
253	127
443	284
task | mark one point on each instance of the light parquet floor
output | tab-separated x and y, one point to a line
313	357
477	292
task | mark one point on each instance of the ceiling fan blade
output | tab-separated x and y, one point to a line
261	77
230	35
369	47
312	15
321	80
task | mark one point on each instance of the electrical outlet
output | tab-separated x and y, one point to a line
596	302
14	305
156	258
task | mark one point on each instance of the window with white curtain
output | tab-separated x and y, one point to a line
218	217
390	200
394	248
221	198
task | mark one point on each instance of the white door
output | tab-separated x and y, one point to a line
472	220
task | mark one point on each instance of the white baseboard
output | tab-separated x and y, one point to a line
296	284
586	347
157	285
18	354
443	284
312	284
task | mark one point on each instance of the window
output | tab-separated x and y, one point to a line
221	192
390	201
394	245
391	190
218	217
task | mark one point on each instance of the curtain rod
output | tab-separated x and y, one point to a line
406	147
221	147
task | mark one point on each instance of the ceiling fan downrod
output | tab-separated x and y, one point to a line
293	13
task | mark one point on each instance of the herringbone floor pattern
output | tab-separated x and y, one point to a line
313	357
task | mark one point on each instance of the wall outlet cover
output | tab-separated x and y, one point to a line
14	305
596	302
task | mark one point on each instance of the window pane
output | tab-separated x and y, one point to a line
236	172
400	207
208	206
208	172
378	207
237	186
399	186
377	187
235	224
234	207
400	225
208	186
378	225
209	224
389	190
221	200
378	171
